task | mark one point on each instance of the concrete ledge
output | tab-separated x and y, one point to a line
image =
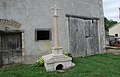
111	47
113	50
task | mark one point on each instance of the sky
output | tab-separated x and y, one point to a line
111	9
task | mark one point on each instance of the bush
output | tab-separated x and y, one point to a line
67	54
40	62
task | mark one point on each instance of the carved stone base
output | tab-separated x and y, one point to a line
57	51
57	60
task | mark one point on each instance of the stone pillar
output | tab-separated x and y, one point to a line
56	50
56	38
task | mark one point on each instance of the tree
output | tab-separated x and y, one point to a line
108	23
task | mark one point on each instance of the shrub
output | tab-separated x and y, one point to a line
40	62
67	54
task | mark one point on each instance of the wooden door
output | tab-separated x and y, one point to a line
91	34
11	48
77	36
83	35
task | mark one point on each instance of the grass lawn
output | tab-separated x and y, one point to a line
106	65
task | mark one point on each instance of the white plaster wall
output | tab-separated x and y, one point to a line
35	14
115	30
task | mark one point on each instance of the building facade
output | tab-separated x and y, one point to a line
115	30
26	28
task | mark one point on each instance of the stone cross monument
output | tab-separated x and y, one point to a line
56	60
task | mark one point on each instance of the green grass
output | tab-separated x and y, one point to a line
106	65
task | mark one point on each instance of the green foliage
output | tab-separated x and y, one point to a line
40	62
67	54
105	65
108	23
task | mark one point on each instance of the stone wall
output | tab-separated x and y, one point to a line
113	50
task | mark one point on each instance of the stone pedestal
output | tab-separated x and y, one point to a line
57	60
58	50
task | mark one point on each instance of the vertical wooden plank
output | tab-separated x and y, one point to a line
0	52
81	43
89	47
87	29
4	55
89	37
92	39
77	36
96	44
72	35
